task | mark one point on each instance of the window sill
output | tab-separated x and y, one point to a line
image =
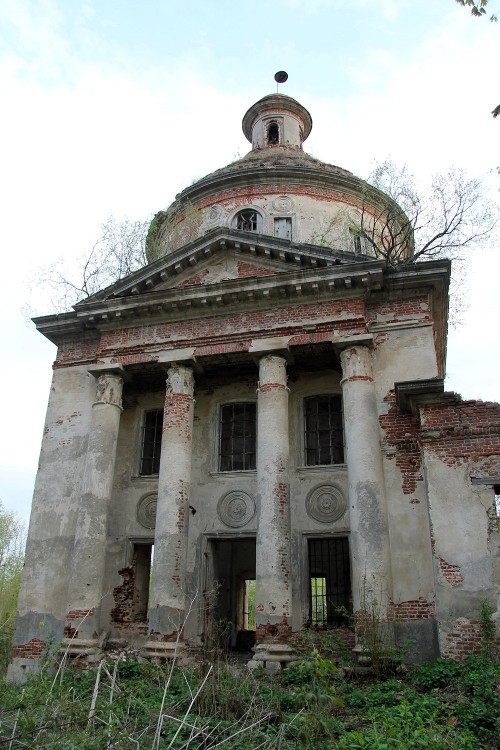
321	468
144	477
242	472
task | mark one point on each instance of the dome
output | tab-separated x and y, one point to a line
275	189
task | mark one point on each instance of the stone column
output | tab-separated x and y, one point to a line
273	584
167	604
86	589
370	548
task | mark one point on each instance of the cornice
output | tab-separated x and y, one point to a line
304	274
251	246
302	177
434	275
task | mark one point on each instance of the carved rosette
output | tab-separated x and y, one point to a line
146	510
283	204
326	503
215	215
236	509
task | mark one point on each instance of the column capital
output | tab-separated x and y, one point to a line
345	342
180	357
108	368
180	379
356	364
109	386
275	345
272	370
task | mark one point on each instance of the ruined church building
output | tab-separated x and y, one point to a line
253	429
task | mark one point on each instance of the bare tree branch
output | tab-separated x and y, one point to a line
448	220
119	251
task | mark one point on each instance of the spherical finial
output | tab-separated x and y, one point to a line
281	76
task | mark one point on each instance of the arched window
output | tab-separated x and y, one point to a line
273	134
358	244
248	220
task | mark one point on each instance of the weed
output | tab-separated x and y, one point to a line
437	675
487	628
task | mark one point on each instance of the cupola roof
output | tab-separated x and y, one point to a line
273	109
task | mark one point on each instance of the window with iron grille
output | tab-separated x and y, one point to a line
329	582
248	220
324	437
237	436
151	442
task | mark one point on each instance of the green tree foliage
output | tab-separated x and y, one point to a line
477	7
11	565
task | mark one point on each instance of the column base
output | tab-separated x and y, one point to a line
88	650
272	656
164	650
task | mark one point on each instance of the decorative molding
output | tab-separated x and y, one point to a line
216	216
146	510
236	508
326	503
283	204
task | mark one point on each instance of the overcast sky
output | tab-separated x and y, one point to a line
114	106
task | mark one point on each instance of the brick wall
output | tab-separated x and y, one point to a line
414	609
464	640
31	650
80	351
463	432
401	443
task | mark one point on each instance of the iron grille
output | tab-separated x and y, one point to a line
151	442
324	438
330	581
237	439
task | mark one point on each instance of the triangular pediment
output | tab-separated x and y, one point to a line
223	255
226	270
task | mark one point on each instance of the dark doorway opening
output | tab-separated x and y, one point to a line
230	594
143	558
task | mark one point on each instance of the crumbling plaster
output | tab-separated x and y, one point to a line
53	519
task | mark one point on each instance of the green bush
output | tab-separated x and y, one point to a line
310	705
408	725
437	675
11	565
389	693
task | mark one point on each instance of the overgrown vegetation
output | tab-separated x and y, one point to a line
402	223
11	565
314	704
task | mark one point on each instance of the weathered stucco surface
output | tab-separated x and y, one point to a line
241	317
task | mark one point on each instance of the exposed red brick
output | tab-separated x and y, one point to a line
463	432
464	640
413	609
451	573
247	270
31	650
401	444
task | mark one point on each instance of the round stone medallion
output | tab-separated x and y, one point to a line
215	214
326	503
283	203
146	511
236	508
